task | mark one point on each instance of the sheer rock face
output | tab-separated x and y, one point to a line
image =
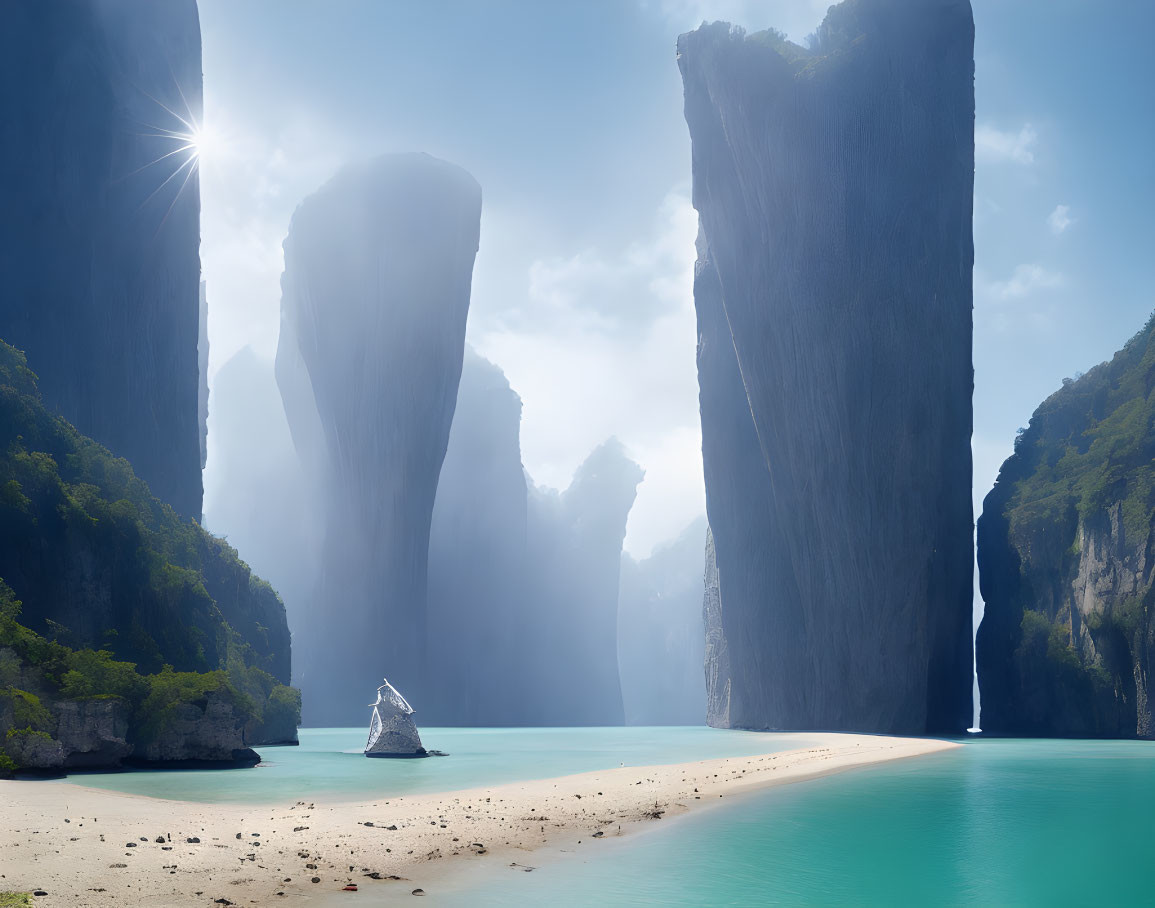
477	558
717	654
834	191
1066	554
203	366
575	553
211	732
99	249
378	266
660	633
523	581
92	732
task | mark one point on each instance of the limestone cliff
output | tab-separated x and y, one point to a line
661	637
834	189
1066	550
523	580
203	368
575	540
99	242
717	653
378	268
105	591
478	563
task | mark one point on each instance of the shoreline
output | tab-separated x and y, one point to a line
73	842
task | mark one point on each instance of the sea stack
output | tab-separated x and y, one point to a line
1066	554
100	239
834	191
378	268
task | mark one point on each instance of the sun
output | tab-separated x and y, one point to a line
204	142
181	147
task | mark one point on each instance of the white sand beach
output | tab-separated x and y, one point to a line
91	847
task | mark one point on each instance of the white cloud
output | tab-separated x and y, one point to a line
1060	219
1016	303
1024	281
993	144
582	378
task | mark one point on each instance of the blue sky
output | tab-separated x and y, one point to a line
570	116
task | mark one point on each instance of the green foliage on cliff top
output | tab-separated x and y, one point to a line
169	690
27	710
843	28
1089	446
101	564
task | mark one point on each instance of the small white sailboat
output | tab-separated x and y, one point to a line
392	731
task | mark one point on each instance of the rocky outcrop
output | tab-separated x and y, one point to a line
99	243
661	634
399	738
378	267
717	654
93	733
834	189
208	731
1066	552
32	750
392	731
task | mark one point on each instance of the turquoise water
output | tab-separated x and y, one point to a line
329	764
1003	823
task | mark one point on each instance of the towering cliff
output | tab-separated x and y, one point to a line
1066	551
661	638
378	266
575	550
834	189
99	243
478	595
523	581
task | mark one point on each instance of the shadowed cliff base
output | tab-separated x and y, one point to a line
378	266
834	189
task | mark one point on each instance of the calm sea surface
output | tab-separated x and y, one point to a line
330	765
1002	823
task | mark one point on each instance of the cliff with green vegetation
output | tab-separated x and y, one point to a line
1066	555
125	630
